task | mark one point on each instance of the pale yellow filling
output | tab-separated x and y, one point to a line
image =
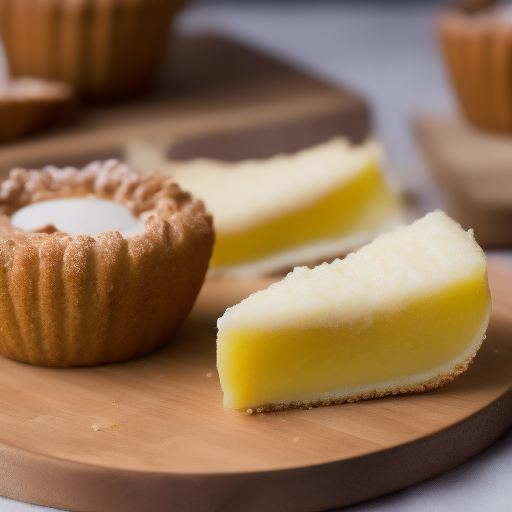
360	205
264	366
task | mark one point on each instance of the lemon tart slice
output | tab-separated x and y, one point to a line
405	313
273	214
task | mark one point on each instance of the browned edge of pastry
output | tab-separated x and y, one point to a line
104	49
78	300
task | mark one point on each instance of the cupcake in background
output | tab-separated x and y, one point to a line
106	49
476	42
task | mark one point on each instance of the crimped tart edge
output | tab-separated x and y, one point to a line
152	279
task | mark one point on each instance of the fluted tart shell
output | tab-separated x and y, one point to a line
106	49
82	300
477	50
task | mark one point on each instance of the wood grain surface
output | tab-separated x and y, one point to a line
472	171
151	434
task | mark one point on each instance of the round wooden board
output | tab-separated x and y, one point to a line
151	434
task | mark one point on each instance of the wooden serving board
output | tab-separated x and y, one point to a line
472	170
214	98
151	434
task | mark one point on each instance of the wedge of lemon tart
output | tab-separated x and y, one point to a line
270	215
406	313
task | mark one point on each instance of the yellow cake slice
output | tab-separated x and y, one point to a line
269	215
405	313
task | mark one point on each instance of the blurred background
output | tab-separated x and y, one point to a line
386	51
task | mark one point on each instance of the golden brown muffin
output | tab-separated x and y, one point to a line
477	48
104	48
29	104
83	300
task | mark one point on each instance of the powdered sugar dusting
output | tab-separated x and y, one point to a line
395	269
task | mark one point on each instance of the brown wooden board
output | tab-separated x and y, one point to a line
151	434
214	98
473	171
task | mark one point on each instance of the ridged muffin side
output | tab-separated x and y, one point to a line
104	48
477	49
78	300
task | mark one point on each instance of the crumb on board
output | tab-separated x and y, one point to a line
209	374
115	425
94	428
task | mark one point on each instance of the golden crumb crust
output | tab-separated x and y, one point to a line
83	300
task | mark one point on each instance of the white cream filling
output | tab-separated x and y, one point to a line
79	216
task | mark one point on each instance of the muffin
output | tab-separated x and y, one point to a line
476	43
30	104
70	300
107	49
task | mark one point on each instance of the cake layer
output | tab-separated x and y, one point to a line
405	313
359	205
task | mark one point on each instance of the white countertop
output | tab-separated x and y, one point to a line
389	54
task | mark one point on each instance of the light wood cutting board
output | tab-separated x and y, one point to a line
152	435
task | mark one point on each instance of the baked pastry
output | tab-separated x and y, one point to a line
406	313
271	215
29	104
104	48
477	48
85	300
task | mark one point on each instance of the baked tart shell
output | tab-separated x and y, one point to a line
477	51
106	49
29	104
83	300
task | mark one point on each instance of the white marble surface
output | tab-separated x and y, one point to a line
389	54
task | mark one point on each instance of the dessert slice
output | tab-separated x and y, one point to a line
270	215
404	314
